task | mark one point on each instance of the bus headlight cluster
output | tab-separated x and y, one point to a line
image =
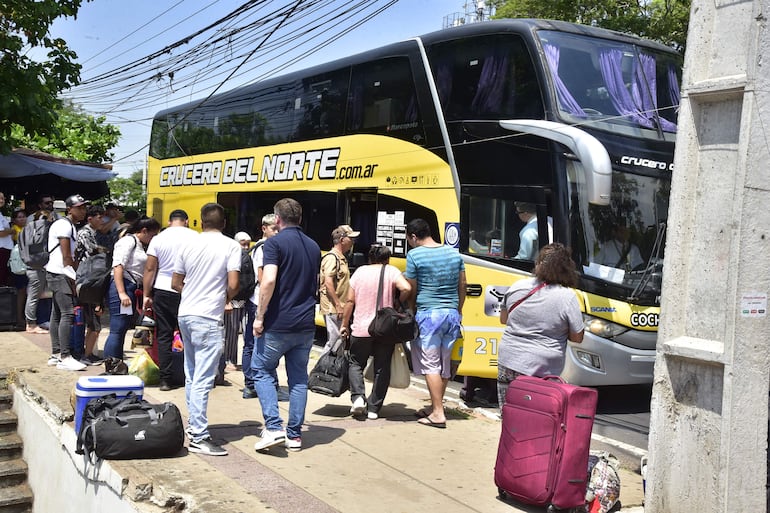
602	327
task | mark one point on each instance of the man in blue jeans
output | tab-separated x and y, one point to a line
206	275
285	314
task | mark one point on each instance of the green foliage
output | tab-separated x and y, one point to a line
660	20
29	89
74	135
129	192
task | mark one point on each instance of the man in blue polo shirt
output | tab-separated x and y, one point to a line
285	314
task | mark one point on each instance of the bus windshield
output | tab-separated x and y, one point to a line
623	243
611	85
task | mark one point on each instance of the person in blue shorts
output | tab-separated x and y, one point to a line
437	274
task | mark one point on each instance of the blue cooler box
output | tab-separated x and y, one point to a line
89	387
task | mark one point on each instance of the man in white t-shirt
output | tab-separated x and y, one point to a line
206	274
158	293
60	277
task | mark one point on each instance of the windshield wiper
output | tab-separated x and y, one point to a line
657	248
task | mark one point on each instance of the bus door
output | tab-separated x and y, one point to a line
358	208
494	225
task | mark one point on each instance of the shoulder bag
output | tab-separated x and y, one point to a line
389	324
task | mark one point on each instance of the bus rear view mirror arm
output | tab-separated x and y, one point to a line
592	154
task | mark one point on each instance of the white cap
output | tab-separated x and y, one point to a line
242	236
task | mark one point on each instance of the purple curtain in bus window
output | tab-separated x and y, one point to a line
489	91
356	113
673	88
444	83
566	100
411	110
648	79
622	99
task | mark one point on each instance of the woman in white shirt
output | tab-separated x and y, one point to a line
6	244
128	260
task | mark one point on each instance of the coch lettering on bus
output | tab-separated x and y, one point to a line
300	165
644	319
199	173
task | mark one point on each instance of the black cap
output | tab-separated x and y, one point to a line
75	201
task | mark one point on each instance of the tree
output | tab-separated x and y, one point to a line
29	89
74	135
129	192
660	20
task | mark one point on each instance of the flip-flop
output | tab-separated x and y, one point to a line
430	423
421	414
40	331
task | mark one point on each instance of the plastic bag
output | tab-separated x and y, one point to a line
604	484
400	377
144	368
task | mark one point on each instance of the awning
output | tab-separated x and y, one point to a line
24	163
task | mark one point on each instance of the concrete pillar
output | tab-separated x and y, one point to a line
708	432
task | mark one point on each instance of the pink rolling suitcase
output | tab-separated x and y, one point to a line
542	458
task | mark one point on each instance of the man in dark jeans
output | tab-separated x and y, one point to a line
60	276
285	315
158	294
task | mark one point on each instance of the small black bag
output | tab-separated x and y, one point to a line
392	325
129	428
330	374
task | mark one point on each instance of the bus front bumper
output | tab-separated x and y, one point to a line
598	361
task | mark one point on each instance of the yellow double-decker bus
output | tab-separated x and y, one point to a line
463	127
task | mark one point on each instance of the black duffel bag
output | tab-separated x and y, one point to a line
129	428
330	374
392	325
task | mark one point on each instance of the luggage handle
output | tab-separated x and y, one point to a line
553	377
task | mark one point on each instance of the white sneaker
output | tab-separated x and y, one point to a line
359	406
372	415
293	444
206	446
71	364
53	360
270	438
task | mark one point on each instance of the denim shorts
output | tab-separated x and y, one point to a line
432	349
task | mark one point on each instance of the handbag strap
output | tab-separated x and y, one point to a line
517	303
379	289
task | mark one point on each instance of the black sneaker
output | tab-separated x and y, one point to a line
249	393
207	447
91	359
165	386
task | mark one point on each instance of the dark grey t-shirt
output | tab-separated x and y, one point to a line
535	338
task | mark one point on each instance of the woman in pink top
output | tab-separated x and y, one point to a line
362	296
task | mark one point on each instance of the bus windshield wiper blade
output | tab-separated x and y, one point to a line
657	248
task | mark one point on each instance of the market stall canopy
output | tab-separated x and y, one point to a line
25	174
24	163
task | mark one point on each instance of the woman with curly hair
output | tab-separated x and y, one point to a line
540	314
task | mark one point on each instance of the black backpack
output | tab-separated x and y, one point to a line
126	428
93	278
247	278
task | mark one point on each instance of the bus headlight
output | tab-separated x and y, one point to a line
602	327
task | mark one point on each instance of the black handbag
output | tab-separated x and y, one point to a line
390	324
330	374
129	428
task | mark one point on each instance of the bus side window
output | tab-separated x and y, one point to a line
382	100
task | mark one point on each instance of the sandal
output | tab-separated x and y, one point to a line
423	413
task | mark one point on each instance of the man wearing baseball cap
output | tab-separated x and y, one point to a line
60	276
335	282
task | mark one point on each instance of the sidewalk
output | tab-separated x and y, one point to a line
392	464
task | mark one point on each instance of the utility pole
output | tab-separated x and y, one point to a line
709	422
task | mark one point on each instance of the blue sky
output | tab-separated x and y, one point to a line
111	33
